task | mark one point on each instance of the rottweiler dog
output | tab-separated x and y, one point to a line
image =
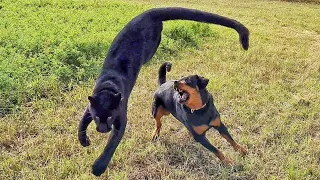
134	46
189	102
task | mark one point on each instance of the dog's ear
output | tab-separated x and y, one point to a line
202	82
115	101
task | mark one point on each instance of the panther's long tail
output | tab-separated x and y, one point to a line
174	13
164	68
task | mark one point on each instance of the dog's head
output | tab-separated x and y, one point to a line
103	106
192	90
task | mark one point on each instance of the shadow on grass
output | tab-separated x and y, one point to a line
179	157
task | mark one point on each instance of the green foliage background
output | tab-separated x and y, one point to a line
49	46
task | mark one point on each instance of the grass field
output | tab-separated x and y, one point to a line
269	96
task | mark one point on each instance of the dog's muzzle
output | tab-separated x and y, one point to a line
183	95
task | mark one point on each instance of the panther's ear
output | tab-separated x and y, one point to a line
116	101
92	100
202	82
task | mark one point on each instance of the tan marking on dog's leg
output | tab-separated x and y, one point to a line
161	111
233	143
200	129
236	146
241	149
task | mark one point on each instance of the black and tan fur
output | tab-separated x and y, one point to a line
189	102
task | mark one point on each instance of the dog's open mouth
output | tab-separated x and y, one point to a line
183	95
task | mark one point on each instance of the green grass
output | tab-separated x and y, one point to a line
51	53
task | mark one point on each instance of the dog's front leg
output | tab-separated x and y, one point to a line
205	142
100	165
82	130
225	133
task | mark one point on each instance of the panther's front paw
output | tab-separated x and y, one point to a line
98	169
84	140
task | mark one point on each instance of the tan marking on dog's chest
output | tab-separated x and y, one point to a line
200	129
216	122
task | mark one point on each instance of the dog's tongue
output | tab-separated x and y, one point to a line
184	96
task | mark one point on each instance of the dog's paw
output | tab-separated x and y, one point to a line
227	162
98	169
155	134
241	149
84	140
155	137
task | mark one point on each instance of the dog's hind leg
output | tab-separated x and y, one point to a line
217	124
100	165
82	129
160	111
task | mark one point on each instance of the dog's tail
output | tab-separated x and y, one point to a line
164	68
164	14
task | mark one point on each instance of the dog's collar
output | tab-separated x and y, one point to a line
192	110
